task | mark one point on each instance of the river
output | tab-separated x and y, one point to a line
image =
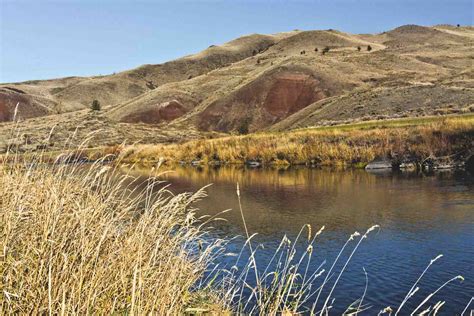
420	217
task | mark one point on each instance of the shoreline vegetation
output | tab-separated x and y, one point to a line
412	143
81	241
420	143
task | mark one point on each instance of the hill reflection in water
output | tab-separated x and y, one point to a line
420	217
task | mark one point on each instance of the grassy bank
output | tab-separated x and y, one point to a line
355	144
76	241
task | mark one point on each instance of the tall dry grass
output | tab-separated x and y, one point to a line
77	240
328	146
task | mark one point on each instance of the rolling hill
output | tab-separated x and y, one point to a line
269	82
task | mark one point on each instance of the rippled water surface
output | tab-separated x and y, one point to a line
420	216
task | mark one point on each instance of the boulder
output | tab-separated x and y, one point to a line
408	166
254	164
379	165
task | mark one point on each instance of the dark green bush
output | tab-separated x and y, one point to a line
95	106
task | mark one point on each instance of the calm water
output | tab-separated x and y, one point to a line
420	216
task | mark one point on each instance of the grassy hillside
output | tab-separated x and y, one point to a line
60	132
291	79
76	93
278	82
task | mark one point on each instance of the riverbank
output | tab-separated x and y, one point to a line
408	141
74	241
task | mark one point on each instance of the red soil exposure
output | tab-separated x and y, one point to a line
264	101
166	111
4	112
26	107
290	93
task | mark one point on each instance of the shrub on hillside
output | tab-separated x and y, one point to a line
243	128
95	106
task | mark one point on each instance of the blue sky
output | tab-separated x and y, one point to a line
50	39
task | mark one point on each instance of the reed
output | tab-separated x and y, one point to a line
80	240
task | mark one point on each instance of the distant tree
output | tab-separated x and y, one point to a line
95	105
325	50
316	49
358	48
458	25
150	85
243	128
369	48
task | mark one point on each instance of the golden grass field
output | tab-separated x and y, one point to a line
343	145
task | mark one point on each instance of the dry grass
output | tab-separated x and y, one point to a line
74	241
342	145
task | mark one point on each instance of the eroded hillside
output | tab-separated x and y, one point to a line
281	81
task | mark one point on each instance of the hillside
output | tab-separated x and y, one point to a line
278	82
76	93
290	76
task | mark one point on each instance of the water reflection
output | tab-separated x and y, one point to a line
276	200
421	216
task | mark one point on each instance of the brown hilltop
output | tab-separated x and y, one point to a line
420	35
278	81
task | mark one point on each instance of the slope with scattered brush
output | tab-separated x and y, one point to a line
70	94
288	79
56	132
259	91
383	103
268	86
